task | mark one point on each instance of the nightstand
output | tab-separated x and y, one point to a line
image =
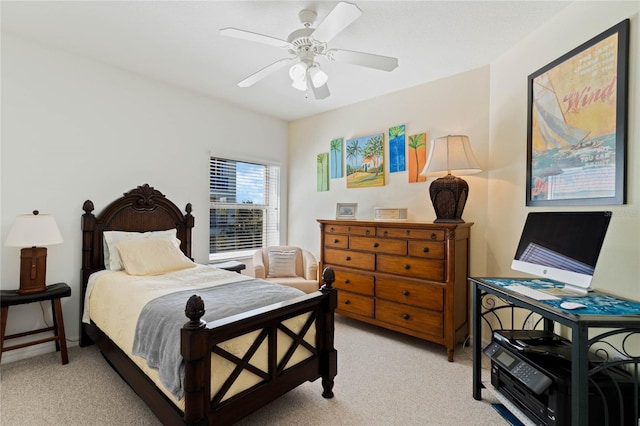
53	293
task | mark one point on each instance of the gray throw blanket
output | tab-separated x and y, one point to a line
157	337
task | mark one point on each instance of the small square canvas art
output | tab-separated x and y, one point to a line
365	161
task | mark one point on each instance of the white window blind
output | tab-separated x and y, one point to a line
244	207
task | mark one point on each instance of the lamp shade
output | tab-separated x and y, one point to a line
298	71
31	230
318	77
449	154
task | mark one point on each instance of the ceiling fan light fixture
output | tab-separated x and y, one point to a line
298	72
318	77
300	85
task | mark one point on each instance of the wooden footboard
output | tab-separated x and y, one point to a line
199	340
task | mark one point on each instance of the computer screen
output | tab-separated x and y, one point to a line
563	246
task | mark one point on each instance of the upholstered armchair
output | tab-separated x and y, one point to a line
287	265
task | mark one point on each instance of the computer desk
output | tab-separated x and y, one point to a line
606	318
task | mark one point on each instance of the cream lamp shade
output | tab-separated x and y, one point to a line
30	231
449	194
451	154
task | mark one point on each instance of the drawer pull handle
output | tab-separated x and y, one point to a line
367	232
408	231
405	293
348	258
425	249
335	241
407	267
434	236
346	301
405	316
349	228
375	245
347	281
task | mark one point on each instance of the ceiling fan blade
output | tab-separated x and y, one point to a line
337	20
384	63
260	38
321	92
257	76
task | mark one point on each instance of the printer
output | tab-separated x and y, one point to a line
532	369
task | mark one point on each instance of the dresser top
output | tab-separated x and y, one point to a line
398	223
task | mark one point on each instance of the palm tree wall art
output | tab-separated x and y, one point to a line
365	161
322	172
417	157
336	158
397	160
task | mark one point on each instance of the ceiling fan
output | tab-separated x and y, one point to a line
307	44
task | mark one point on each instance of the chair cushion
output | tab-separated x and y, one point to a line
282	263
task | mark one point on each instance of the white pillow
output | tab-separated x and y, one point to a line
152	256
111	238
282	263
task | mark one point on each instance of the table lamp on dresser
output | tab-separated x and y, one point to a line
31	231
449	193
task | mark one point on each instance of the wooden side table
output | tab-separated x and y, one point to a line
54	293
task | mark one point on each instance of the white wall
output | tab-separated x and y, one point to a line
455	105
473	104
75	129
618	267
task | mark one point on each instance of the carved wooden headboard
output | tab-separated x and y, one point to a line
142	209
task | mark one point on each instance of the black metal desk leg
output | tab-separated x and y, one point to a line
477	341
579	377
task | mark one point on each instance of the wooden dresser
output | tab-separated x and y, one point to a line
406	276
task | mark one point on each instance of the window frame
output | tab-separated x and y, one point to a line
271	209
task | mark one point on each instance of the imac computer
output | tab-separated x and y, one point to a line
562	246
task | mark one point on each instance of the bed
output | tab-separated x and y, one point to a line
284	344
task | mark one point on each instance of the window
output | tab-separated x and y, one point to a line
244	207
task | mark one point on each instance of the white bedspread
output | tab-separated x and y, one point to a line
114	300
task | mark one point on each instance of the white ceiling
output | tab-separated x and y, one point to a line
177	42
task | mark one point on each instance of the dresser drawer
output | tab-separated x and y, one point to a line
337	241
423	321
349	258
355	303
420	295
423	234
427	249
411	267
354	282
350	230
378	245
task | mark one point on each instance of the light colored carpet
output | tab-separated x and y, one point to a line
384	378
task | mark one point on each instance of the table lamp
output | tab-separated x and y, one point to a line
30	231
449	193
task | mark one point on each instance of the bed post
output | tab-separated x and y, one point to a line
329	355
189	223
194	346
88	226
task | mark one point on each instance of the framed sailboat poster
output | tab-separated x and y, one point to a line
577	124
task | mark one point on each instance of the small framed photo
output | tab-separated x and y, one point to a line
346	211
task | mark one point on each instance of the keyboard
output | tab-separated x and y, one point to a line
530	292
